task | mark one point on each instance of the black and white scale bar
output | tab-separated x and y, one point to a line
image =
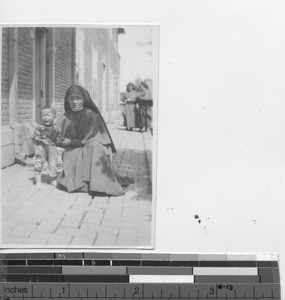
149	278
263	275
146	290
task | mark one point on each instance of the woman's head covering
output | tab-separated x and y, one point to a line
77	90
144	84
81	92
130	84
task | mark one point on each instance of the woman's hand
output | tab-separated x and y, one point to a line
71	142
66	142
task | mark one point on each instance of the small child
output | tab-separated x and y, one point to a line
46	137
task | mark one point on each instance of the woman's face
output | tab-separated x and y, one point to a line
75	102
130	87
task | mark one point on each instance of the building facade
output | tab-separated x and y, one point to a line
39	64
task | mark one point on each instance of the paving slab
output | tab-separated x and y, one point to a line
51	217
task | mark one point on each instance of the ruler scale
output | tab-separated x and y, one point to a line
93	275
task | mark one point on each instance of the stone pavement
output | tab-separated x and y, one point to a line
51	217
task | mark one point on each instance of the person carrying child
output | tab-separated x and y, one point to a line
46	137
145	102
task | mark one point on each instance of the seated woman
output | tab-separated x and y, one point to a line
87	163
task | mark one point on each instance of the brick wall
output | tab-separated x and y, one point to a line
103	36
79	77
113	61
5	78
25	75
114	76
95	40
96	55
88	37
97	45
63	65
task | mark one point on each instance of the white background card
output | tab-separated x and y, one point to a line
221	115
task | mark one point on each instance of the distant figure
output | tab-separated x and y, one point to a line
122	107
129	112
46	137
145	103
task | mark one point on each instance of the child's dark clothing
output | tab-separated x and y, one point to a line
45	149
49	134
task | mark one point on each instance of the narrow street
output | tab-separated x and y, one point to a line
51	217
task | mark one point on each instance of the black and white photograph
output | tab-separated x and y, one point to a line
78	127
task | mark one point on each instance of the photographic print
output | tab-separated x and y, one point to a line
78	115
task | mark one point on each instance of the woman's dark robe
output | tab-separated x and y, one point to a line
87	161
144	111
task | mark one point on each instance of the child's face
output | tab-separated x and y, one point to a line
47	117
